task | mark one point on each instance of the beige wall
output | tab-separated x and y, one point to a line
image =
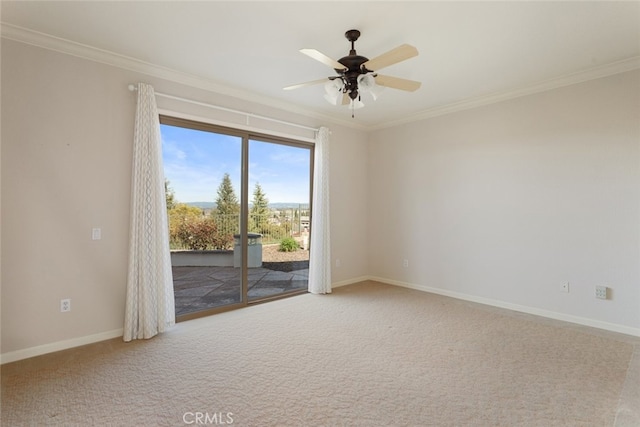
503	203
67	129
499	204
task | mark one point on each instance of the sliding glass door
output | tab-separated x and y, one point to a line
202	177
279	213
239	207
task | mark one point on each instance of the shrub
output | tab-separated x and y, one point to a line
202	234
288	244
178	216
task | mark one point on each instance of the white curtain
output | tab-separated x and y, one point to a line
320	262
150	306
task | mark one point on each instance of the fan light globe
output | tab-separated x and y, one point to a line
331	99
333	91
367	84
366	81
356	104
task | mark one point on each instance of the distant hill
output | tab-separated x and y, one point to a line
202	205
286	205
212	205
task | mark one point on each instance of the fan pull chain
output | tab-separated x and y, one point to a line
353	106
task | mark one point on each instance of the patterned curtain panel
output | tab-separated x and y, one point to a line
320	262
150	306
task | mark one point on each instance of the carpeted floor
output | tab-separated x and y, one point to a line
367	355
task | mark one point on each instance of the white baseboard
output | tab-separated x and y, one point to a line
350	281
26	353
613	327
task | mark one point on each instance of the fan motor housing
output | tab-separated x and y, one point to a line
352	63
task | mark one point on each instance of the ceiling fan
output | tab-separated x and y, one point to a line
357	74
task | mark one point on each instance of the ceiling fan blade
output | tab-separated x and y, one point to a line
397	83
318	56
394	56
298	86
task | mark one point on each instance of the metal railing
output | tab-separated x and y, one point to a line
216	231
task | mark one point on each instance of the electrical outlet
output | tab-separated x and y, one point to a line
564	287
405	263
338	263
65	305
601	292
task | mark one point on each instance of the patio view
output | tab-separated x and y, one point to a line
211	198
208	276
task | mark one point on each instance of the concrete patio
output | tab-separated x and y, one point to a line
201	288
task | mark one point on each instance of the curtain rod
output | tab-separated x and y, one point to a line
217	107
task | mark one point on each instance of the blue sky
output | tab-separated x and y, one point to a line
195	162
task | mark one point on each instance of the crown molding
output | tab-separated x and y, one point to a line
46	41
605	70
57	44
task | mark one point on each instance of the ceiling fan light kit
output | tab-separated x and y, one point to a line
357	74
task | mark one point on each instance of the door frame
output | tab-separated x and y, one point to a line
246	136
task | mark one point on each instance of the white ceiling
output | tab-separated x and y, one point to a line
468	50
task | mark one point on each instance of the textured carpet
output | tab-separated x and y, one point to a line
367	355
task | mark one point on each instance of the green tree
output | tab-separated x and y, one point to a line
227	212
169	195
259	211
